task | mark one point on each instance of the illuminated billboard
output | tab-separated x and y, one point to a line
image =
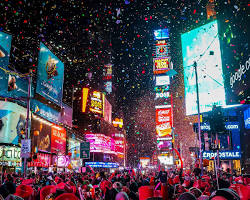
161	48
202	46
92	101
96	102
162	95
161	65
162	80
58	140
5	46
164	121
50	74
107	74
13	120
100	143
161	34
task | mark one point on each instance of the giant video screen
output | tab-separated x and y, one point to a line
202	46
50	74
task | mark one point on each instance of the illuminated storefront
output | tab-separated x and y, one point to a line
10	158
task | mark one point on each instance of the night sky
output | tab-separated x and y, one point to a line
85	35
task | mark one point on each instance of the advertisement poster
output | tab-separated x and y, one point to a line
161	65
162	80
101	143
161	34
5	46
50	74
96	102
13	118
41	134
61	161
74	148
235	51
163	122
247	118
203	41
107	74
43	160
58	140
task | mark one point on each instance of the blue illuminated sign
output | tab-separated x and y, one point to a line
50	74
5	46
102	164
224	155
202	46
228	125
161	34
44	111
247	118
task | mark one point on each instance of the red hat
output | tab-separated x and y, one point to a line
24	191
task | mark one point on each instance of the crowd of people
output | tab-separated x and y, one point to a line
125	185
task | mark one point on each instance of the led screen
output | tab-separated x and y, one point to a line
100	143
162	80
13	120
202	46
161	65
58	139
247	118
50	74
163	122
161	34
5	46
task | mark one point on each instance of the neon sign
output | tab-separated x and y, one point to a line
161	65
162	95
96	104
164	122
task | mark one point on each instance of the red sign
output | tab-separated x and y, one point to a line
43	160
119	146
164	122
58	140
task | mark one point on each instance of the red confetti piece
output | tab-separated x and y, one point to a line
194	11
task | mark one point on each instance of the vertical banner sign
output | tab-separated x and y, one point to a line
50	75
25	148
203	41
164	122
85	150
58	140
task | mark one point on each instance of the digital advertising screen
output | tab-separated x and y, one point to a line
235	51
202	46
247	118
13	118
162	80
43	160
58	140
108	86
161	65
74	148
41	134
164	122
107	74
100	143
5	46
164	144
161	34
50	75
